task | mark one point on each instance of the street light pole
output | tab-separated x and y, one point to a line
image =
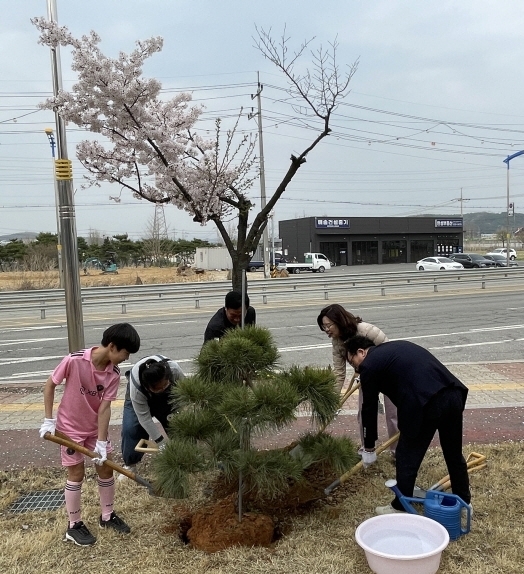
51	137
506	161
66	211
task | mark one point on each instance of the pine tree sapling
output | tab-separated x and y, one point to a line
238	393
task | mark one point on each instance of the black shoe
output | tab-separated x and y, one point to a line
80	535
116	523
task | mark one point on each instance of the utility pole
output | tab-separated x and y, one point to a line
265	239
462	200
66	211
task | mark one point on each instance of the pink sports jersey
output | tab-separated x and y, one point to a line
84	389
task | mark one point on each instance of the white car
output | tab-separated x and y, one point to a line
504	251
438	264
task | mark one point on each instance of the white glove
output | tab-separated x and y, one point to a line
101	449
368	458
49	425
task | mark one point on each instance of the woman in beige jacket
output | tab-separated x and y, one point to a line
339	325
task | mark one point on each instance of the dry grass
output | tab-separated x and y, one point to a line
22	280
321	541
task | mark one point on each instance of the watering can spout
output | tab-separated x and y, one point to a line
404	500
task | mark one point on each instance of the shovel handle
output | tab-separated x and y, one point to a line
352	388
145	445
474	460
381	448
63	440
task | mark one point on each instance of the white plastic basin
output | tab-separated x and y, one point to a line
402	543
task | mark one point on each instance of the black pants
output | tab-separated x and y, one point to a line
132	431
443	413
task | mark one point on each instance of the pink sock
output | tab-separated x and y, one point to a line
73	492
106	491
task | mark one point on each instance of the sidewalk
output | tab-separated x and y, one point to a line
493	413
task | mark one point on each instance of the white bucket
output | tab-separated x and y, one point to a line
402	543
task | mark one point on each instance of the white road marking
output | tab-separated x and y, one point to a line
476	344
37	328
154	324
125	366
18	361
26	341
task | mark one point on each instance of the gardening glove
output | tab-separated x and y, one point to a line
161	443
368	458
101	449
49	425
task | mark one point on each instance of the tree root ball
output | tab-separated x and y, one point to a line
217	527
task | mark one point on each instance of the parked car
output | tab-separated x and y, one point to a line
472	260
438	264
503	251
501	260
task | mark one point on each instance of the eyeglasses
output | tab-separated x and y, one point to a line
161	387
327	326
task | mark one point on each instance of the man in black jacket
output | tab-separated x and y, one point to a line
230	316
428	398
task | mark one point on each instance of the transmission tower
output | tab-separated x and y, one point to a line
159	223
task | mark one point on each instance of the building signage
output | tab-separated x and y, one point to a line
448	222
329	223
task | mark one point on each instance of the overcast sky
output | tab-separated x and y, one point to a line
436	105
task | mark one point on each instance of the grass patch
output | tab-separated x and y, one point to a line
320	541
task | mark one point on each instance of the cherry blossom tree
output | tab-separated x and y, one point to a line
151	146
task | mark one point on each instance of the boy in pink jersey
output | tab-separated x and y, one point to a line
91	379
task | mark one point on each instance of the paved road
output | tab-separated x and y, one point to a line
463	327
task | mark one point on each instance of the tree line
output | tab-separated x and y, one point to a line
42	253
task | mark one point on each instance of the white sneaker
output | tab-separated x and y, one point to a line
388	509
131	467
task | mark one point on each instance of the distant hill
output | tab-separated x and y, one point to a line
484	222
487	222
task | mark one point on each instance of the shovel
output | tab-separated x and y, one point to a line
359	465
64	440
474	462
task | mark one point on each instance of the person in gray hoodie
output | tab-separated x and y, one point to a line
149	385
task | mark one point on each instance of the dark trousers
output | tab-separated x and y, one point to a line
132	430
443	413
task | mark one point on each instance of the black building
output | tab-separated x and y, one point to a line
368	240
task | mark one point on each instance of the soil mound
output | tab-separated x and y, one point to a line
217	526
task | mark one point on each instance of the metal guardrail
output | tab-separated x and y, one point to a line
260	290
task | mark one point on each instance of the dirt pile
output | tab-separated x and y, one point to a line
216	525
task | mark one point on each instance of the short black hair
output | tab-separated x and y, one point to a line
123	336
353	344
234	300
